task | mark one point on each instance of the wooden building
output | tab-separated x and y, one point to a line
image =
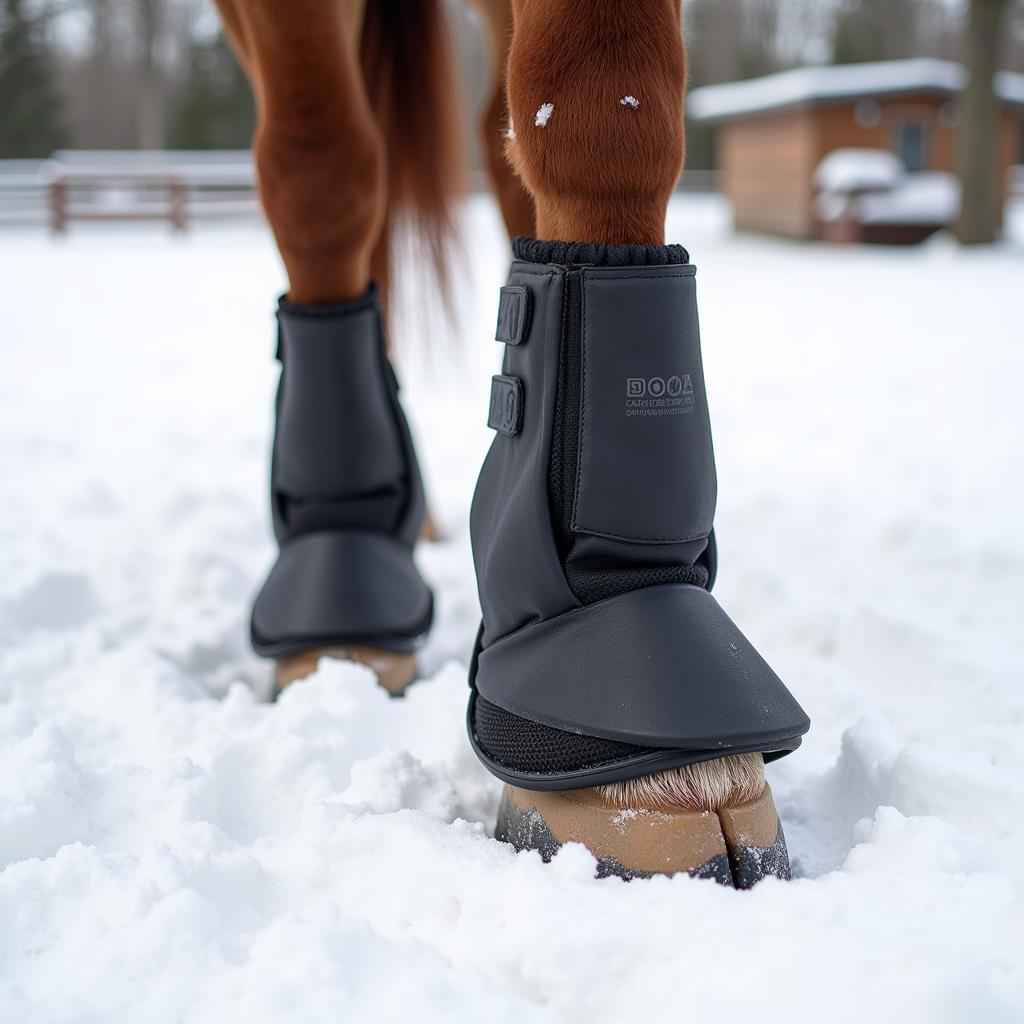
772	132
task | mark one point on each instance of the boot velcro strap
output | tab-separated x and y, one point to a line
513	314
506	409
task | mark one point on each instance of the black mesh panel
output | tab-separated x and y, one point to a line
593	581
527	746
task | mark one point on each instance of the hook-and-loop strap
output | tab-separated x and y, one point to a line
506	409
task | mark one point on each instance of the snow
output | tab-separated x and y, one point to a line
1010	86
544	112
858	170
629	101
173	848
821	84
873	187
928	197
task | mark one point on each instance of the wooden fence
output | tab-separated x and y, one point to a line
106	185
176	186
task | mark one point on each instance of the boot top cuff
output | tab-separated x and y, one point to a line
532	250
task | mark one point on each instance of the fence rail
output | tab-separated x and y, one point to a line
99	185
175	186
178	187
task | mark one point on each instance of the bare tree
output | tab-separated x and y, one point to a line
1013	54
977	142
150	21
879	29
31	113
97	79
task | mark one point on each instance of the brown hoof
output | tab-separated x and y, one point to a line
737	846
394	671
430	532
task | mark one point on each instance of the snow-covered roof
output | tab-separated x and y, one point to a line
805	86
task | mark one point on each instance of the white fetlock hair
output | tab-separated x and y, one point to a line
707	786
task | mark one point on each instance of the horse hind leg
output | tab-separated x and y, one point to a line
320	160
496	126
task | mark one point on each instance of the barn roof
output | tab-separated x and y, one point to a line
813	85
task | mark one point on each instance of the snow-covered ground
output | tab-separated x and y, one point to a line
173	848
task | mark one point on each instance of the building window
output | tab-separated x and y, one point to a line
912	144
867	114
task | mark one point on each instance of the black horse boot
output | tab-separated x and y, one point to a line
602	656
346	499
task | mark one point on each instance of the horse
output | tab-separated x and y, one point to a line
582	129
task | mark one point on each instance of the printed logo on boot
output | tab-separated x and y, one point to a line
659	396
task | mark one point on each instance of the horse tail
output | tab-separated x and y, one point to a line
409	71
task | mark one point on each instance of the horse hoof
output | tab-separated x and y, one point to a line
394	671
736	846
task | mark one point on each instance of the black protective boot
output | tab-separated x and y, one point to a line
346	495
602	655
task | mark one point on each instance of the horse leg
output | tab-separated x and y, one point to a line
347	500
317	148
596	97
495	126
608	174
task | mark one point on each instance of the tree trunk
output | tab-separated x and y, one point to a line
150	133
978	137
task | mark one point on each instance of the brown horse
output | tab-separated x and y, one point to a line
358	129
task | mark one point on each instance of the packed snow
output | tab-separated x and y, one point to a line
175	848
544	112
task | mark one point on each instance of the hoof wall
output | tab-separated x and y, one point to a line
394	671
736	846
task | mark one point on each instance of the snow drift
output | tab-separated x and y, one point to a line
173	848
